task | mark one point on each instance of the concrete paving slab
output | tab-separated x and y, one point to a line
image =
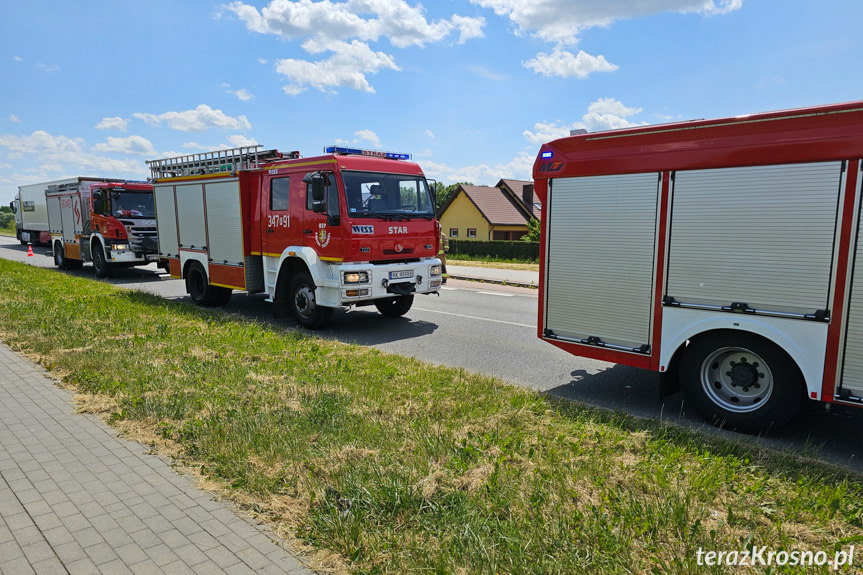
75	498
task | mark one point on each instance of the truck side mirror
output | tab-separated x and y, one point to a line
12	207
97	202
317	182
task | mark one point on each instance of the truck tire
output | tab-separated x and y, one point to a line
741	381
60	257
100	264
395	306
199	289
303	305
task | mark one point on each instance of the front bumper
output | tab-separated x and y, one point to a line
382	281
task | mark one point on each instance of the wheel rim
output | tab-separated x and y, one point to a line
304	301
736	379
98	261
58	255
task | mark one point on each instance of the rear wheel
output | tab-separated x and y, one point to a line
201	292
741	381
395	306
60	256
304	307
100	263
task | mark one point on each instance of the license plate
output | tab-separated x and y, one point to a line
401	275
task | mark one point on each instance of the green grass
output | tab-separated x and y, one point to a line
9	230
488	259
397	466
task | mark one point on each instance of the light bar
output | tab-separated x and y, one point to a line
546	155
361	152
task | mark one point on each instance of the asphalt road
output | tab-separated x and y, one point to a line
491	329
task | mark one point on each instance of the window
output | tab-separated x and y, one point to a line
373	194
471	232
453	232
279	194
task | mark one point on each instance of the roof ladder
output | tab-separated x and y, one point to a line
215	162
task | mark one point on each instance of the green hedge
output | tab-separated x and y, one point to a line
515	250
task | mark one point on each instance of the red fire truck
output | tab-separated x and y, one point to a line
109	222
728	251
349	228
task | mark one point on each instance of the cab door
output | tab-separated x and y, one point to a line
276	216
322	230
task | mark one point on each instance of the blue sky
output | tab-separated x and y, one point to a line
470	87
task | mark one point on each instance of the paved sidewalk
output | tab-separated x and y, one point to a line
511	277
76	499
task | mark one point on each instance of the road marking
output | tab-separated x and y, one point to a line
449	289
496	293
474	317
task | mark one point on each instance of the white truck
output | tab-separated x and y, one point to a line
31	213
727	251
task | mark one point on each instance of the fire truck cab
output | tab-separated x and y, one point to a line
348	228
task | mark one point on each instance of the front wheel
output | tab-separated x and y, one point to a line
304	307
100	264
395	306
741	381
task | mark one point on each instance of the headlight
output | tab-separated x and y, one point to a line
434	270
119	247
355	277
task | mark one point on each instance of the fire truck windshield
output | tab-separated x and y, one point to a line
377	195
127	204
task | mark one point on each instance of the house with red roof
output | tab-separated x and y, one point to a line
490	213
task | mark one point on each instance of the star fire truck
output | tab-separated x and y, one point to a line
109	222
728	251
348	228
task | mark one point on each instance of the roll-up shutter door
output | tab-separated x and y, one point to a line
166	221
852	370
190	212
761	236
600	254
223	215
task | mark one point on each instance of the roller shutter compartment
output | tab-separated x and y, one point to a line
852	369
225	219
600	256
166	221
190	212
759	236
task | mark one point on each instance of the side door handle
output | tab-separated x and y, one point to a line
307	231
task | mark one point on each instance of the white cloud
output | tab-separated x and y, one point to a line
115	123
368	136
49	67
262	60
135	145
519	168
429	134
560	21
19	59
68	153
14	118
367	20
346	29
348	66
565	64
242	94
198	120
603	114
239	141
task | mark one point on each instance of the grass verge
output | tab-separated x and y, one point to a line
387	465
503	265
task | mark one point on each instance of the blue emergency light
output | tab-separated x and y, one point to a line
546	155
361	152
